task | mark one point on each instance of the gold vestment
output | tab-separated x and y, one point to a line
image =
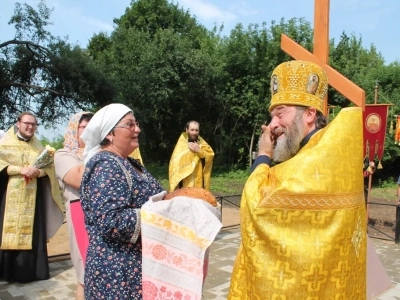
303	221
21	195
136	155
187	166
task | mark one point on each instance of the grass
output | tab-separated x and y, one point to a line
387	193
222	182
228	183
160	172
231	182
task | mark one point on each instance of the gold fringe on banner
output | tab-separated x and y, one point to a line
376	155
379	165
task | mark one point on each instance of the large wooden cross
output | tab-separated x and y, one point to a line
320	56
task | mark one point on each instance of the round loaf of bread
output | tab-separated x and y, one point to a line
193	192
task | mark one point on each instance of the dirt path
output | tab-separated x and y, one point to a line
59	243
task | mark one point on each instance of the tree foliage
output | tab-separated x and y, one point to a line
170	69
366	67
45	74
163	62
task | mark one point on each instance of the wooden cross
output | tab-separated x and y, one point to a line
320	56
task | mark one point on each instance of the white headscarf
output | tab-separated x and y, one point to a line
100	126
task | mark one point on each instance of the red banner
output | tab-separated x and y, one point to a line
375	123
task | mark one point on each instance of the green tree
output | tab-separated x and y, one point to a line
164	64
388	79
355	62
170	69
366	67
56	143
249	57
45	74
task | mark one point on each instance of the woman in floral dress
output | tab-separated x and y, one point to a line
114	187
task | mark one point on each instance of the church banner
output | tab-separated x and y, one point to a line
375	123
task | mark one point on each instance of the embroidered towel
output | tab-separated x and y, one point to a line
175	237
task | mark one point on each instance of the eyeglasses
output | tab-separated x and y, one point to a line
28	124
130	125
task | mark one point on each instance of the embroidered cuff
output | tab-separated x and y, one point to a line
138	226
14	170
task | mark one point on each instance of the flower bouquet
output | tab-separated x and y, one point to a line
45	158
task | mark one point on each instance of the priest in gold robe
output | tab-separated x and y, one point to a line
191	161
303	218
31	208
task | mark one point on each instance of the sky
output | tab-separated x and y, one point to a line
375	21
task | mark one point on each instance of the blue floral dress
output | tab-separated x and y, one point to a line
112	194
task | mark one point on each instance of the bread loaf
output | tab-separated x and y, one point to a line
193	192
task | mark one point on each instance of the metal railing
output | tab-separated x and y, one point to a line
234	200
396	237
225	199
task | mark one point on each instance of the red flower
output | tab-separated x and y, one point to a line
159	252
178	295
149	290
177	260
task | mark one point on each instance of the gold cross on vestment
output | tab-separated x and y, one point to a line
320	56
25	159
317	175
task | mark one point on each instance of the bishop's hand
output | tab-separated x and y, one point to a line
266	142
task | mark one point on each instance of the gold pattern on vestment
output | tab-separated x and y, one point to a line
303	236
358	236
20	199
21	196
26	153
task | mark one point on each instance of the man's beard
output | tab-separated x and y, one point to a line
287	146
193	138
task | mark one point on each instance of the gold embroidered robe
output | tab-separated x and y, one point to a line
303	222
186	166
21	196
136	155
